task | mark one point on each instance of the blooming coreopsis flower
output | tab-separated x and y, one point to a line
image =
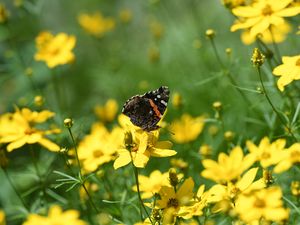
100	146
56	216
187	128
139	146
290	157
262	204
95	24
2	218
229	167
20	128
125	15
278	33
288	71
55	50
107	113
259	16
152	184
171	200
267	153
225	195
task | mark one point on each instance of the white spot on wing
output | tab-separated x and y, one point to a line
163	102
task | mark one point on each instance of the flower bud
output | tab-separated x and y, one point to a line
68	122
173	178
257	58
268	177
210	33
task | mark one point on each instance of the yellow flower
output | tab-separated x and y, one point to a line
288	71
100	146
259	16
177	100
139	146
107	113
197	205
152	184
157	29
125	15
179	163
174	200
295	189
55	50
187	128
221	194
267	153
55	217
2	217
279	34
291	156
19	129
96	24
263	204
229	167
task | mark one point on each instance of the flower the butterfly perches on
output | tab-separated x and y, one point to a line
139	145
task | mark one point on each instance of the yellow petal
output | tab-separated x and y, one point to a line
17	144
141	159
260	27
247	179
246	11
156	152
123	159
49	144
292	11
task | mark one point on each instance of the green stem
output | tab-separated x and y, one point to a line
272	105
82	181
275	46
14	188
292	204
217	53
139	194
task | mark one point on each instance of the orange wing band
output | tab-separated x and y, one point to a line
154	107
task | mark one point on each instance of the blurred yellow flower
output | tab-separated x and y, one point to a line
108	112
179	163
279	34
125	15
3	13
177	100
139	146
259	16
55	217
228	193
19	129
186	128
96	24
169	198
262	204
288	71
100	146
2	218
152	184
229	167
290	157
55	50
205	151
157	29
153	54
267	153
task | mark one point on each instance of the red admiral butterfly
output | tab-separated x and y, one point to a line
146	110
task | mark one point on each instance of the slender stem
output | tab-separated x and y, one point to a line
292	204
272	105
14	188
216	53
82	181
276	49
139	194
41	180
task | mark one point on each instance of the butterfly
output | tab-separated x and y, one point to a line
146	110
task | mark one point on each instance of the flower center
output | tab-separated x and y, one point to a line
267	10
173	202
259	203
265	155
298	62
29	131
97	154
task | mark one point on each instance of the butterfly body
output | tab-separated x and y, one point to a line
146	110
